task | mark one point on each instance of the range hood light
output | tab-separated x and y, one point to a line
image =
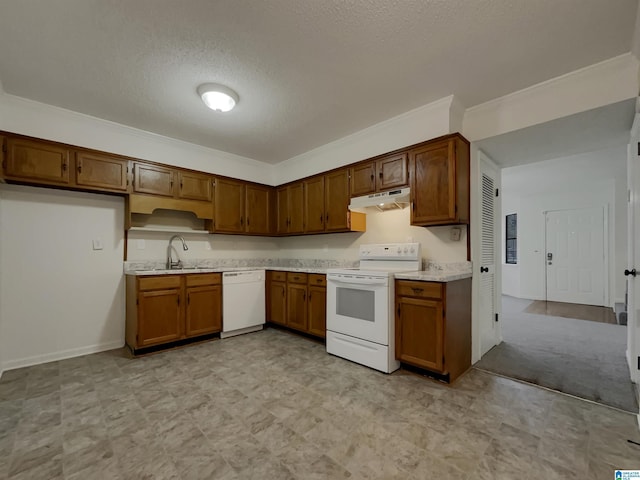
391	200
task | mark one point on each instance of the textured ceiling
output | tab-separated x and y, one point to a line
307	71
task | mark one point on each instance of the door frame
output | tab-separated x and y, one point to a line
605	247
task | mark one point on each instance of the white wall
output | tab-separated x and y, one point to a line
19	115
586	180
383	227
418	125
604	83
59	297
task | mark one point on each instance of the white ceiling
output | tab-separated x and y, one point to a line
307	72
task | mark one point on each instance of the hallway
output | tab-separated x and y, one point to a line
574	356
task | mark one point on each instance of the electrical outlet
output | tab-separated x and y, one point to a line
141	244
455	233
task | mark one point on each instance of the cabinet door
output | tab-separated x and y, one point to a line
278	303
363	179
296	208
229	206
433	184
336	201
258	208
318	311
282	200
153	179
101	171
297	306
38	161
420	333
314	204
159	317
204	310
194	186
391	172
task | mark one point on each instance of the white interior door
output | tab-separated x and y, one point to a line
489	255
633	252
575	256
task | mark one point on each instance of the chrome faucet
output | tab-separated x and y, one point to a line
170	263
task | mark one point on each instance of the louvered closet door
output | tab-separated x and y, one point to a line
490	231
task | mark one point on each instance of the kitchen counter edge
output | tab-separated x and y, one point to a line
427	276
189	271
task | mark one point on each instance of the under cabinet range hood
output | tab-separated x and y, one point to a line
391	200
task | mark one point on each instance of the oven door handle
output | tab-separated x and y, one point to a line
356	281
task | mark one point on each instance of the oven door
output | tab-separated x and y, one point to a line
358	306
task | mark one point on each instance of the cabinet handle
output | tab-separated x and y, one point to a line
372	178
380	175
417	290
304	295
241	221
247	221
320	218
188	299
79	167
178	299
319	280
309	295
327	218
64	166
283	293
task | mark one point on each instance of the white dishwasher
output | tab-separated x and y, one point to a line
243	304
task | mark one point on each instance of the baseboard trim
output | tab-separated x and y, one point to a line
63	355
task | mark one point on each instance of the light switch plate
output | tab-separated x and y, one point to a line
97	244
454	234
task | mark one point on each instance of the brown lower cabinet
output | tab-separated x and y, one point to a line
167	308
297	300
433	326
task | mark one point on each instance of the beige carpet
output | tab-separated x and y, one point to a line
585	359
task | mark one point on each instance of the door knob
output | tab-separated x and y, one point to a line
631	272
484	269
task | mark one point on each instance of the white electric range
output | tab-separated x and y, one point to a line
360	320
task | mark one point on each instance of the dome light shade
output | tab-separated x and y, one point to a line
218	97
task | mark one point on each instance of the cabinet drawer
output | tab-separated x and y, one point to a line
296	277
198	279
317	279
159	282
419	289
279	276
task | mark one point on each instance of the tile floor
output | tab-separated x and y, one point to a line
272	405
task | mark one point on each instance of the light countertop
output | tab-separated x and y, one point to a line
433	276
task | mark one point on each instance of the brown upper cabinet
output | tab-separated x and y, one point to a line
96	170
258	200
336	201
326	202
242	207
42	162
229	214
440	183
314	204
384	173
153	179
290	209
195	186
437	170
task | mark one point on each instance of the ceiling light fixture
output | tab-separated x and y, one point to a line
218	97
